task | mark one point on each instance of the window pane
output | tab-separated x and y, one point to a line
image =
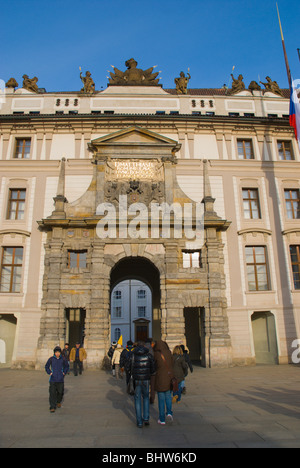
82	260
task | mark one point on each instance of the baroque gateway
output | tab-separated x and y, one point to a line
80	260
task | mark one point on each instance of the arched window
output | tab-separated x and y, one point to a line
117	334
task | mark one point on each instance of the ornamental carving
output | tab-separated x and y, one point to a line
133	76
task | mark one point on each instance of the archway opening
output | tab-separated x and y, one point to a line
135	300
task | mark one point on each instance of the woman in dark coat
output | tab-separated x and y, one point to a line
180	367
163	376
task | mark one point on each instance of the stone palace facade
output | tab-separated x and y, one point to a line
86	252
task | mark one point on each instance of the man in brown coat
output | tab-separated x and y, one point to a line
164	374
78	355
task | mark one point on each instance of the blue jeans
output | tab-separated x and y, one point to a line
141	391
164	405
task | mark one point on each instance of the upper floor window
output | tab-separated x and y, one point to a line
11	269
77	258
16	204
245	149
117	312
251	204
285	150
295	260
257	269
23	146
141	294
141	311
117	334
191	259
118	295
292	203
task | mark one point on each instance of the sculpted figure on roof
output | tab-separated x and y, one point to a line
133	76
238	84
88	82
182	83
272	86
30	84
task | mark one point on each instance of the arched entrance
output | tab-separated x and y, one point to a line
264	337
135	300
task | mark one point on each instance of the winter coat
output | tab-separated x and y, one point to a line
125	358
82	354
180	367
143	363
164	373
117	355
58	367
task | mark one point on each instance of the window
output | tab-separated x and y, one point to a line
117	312
77	258
191	259
295	260
142	311
292	203
117	334
22	148
118	295
11	269
16	204
245	149
257	270
141	294
285	150
251	204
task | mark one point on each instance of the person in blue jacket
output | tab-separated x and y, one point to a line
57	367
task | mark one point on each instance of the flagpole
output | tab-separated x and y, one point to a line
299	54
284	50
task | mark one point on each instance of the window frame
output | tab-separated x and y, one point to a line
283	142
297	246
243	141
13	267
255	266
17	201
16	152
77	252
292	200
250	200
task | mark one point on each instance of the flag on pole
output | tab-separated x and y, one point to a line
295	113
120	340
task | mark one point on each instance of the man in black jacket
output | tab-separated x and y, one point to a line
143	367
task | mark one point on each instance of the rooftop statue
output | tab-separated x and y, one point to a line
272	86
88	83
30	84
182	83
237	84
11	83
254	86
133	76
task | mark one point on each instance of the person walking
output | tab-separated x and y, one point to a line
180	368
125	359
56	367
116	361
78	355
143	366
189	363
110	355
66	354
163	377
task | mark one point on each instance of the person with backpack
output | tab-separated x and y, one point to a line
57	367
143	366
125	359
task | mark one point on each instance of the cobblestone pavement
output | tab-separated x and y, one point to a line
238	407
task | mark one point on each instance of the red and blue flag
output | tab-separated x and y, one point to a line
295	113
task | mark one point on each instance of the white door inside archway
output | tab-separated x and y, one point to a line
131	311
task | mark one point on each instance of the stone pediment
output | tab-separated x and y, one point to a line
134	141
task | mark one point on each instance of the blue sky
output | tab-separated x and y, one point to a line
50	39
